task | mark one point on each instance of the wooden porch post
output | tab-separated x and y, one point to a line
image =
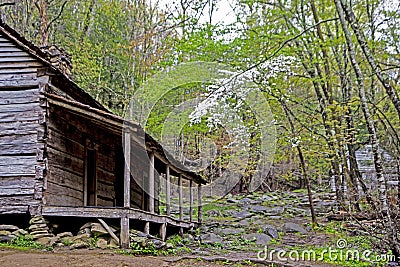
124	236
151	183
191	201
125	242
168	193
180	197
147	228
163	231
180	202
200	212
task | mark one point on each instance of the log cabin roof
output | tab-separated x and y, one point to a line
57	76
86	106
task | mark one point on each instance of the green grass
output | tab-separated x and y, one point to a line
24	242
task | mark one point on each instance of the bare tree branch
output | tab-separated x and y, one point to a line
58	16
7	4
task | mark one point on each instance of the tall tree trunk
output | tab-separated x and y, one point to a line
382	77
42	6
303	165
372	132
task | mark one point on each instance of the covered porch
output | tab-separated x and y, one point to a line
151	194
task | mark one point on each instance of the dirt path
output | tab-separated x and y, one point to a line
89	258
99	258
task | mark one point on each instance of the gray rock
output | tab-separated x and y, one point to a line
271	231
42	235
277	218
54	240
214	213
242	214
65	234
8	227
158	243
204	229
137	233
261	239
37	220
296	211
6	238
39	226
210	238
39	232
4	233
80	238
45	241
230	231
101	243
79	245
169	246
246	201
86	225
266	198
97	229
258	208
20	232
243	222
293	228
275	211
113	244
229	212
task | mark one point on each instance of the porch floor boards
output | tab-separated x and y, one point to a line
115	212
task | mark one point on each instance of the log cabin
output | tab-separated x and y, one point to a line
63	154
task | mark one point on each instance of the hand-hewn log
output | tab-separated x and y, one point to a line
17	165
62	195
19	97
16	58
32	108
18	65
19	84
14	209
18	128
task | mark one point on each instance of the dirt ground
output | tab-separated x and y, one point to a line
10	257
88	258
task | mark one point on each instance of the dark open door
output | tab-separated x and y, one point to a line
91	179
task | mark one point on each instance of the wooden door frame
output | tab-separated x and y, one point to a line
90	145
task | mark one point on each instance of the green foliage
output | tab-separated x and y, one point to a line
24	242
149	249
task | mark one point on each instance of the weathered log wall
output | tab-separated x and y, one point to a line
68	134
43	147
67	138
22	165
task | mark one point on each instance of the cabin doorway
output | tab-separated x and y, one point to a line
90	188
